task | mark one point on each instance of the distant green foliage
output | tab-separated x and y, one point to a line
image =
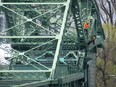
106	62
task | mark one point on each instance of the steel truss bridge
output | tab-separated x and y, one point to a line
49	46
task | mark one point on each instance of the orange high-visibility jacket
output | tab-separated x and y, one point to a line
86	25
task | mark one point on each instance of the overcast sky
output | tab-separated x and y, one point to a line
3	61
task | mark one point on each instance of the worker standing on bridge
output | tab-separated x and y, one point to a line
93	38
86	27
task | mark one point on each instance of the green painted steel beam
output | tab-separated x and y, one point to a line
37	3
61	80
49	37
71	78
34	0
68	4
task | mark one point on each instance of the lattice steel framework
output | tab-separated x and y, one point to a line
46	38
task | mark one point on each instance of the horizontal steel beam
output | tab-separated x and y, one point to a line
36	84
28	37
65	79
4	83
72	77
26	3
24	71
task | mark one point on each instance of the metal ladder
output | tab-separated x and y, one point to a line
78	22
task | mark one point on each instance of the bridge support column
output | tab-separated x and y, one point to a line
92	69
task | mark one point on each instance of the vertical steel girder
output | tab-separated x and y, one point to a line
78	22
60	38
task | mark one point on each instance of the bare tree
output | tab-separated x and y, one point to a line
107	7
114	4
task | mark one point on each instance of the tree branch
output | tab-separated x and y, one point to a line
103	18
114	4
104	8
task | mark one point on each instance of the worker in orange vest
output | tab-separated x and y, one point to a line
86	27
